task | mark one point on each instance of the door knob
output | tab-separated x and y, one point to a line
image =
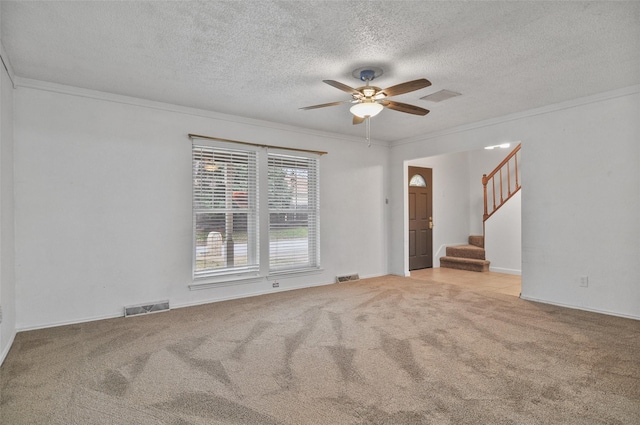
430	223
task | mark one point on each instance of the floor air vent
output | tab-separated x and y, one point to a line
347	278
135	310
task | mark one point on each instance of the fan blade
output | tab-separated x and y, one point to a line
326	104
404	107
407	87
342	87
357	120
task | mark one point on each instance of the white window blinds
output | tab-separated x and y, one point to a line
225	210
293	212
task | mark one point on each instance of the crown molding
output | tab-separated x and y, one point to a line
150	104
625	91
20	82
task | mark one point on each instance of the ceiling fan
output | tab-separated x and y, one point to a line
370	100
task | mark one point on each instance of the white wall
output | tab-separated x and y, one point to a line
580	197
503	237
580	208
450	200
7	275
103	203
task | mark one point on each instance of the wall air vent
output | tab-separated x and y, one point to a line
347	278
156	307
439	96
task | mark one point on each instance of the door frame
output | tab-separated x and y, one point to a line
427	175
415	162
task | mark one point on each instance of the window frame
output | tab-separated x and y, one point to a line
203	280
312	164
252	267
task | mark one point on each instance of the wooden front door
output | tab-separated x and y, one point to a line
420	218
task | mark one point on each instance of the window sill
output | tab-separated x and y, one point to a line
239	279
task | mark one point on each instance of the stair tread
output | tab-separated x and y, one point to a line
476	240
464	260
474	247
469	257
469	264
466	251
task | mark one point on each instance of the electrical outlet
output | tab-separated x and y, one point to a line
584	281
275	284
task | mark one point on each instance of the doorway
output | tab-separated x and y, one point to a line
420	218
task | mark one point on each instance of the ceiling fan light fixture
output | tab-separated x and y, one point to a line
366	109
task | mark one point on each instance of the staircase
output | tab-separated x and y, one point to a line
472	257
467	257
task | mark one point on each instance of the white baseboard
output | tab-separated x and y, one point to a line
69	322
576	307
506	271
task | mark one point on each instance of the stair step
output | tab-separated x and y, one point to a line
466	251
476	241
470	264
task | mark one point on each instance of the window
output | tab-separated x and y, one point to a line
234	233
293	212
225	209
417	181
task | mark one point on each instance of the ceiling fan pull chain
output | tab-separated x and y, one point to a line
368	124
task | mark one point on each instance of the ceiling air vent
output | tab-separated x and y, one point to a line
439	96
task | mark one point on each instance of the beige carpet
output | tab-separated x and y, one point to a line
379	351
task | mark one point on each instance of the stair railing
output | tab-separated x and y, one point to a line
505	178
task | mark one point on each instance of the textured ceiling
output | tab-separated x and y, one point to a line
264	60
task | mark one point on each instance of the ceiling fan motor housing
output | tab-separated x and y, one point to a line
367	75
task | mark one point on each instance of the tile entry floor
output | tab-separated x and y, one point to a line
476	281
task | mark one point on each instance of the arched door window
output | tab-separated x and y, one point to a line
417	181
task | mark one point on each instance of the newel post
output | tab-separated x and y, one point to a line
484	186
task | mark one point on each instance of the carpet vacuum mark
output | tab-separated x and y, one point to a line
387	350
